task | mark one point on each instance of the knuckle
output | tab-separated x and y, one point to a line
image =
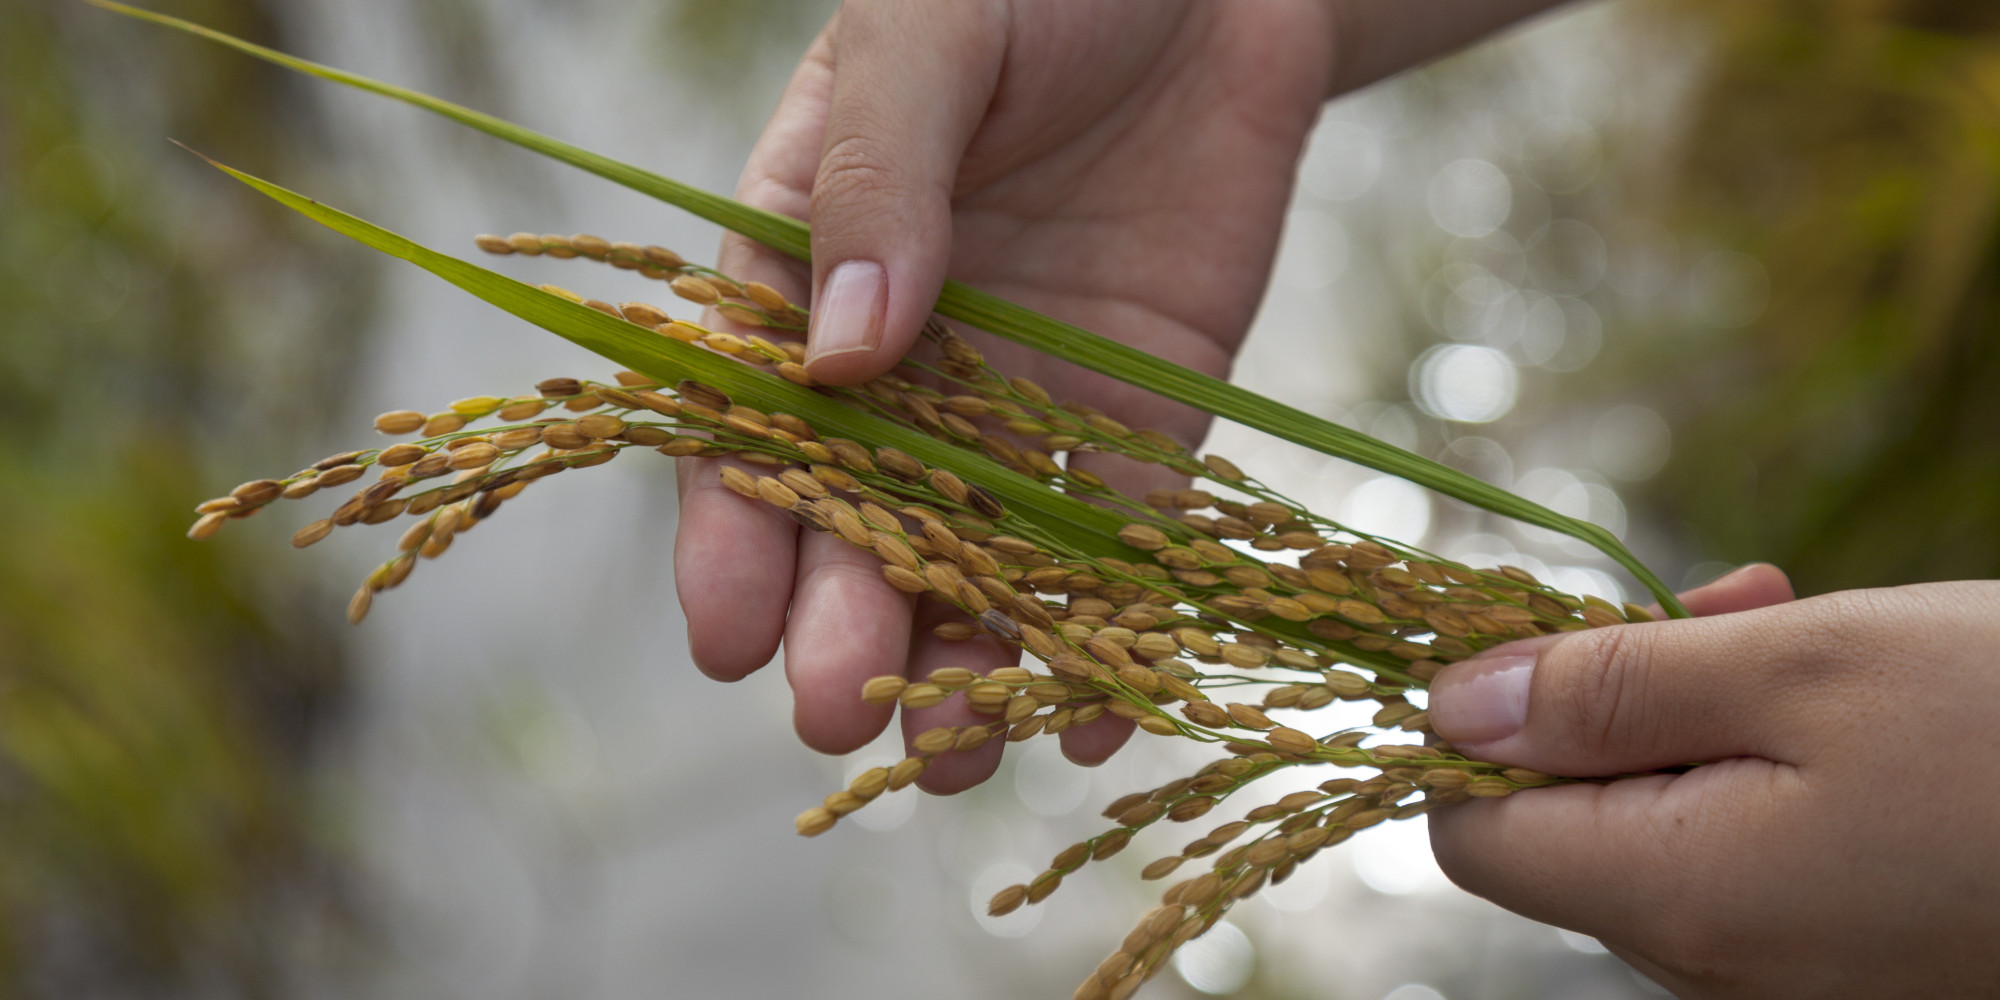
1594	687
1838	640
854	168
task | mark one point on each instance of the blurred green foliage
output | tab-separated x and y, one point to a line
160	701
1848	434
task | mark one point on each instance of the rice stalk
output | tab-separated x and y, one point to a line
1002	318
1222	621
1226	614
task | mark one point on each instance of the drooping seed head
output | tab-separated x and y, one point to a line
1007	901
399	422
814	821
695	289
474	456
905	771
1291	741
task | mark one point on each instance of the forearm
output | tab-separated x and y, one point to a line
1378	38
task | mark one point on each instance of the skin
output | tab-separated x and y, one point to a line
1125	165
1839	845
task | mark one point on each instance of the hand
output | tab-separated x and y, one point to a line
1123	165
1840	844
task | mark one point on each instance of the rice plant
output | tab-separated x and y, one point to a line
1196	613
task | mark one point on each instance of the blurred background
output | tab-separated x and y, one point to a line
1719	276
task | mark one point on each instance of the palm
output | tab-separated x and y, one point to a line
1128	175
1153	218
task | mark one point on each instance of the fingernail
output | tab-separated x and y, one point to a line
847	317
1483	699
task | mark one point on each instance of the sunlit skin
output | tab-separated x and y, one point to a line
1125	166
1121	165
1840	844
1081	192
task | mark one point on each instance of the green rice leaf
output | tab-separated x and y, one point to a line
1081	526
987	312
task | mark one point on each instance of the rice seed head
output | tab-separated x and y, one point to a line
1393	713
984	502
953	488
814	821
1488	788
1248	716
357	607
400	422
905	771
1007	901
882	690
1291	741
1044	885
442	423
1204	713
899	464
257	493
740	313
594	247
401	454
474	456
473	407
522	410
697	290
736	480
701	394
644	314
312	533
219	504
923	696
683	331
765	297
207	525
1223	469
905	580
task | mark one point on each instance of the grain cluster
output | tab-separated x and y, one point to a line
1238	614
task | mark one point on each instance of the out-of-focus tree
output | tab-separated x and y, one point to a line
160	701
1846	433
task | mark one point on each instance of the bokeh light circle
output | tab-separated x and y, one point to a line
1470	198
1219	962
1465	383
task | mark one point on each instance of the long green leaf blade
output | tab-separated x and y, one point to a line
1000	317
1080	525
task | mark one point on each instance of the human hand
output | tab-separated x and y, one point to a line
1839	845
1123	165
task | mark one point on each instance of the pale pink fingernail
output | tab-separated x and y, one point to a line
847	316
1483	699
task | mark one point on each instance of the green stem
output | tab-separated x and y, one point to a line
997	316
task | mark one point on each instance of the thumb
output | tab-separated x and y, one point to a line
1638	697
911	83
